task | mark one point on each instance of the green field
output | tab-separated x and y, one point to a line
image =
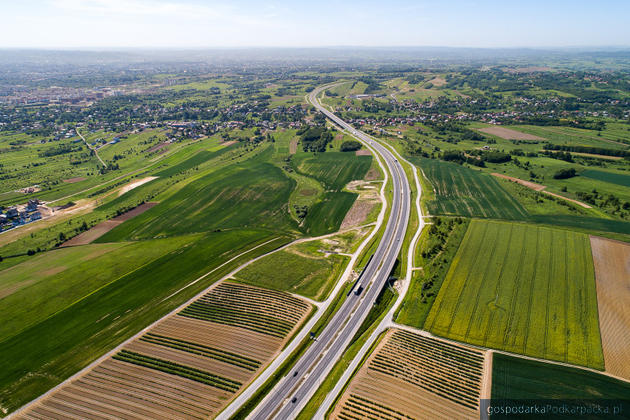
614	178
333	169
465	192
47	283
524	289
516	378
197	159
304	272
254	193
326	215
45	353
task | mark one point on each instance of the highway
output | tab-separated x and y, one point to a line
294	390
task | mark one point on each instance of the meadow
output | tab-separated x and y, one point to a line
524	289
304	272
45	353
516	378
465	192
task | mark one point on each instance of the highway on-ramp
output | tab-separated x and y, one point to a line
293	391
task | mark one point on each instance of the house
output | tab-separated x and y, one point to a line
32	204
12	213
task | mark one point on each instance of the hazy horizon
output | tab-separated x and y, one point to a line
198	24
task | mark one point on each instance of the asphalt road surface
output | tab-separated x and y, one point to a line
294	390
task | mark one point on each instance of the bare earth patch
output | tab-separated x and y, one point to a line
185	366
135	184
158	147
102	228
597	156
75	179
229	143
540	188
531	69
372	175
357	214
438	81
293	146
92	234
528	184
363	206
135	211
508	134
363	152
412	376
612	274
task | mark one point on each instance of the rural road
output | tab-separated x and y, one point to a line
293	391
91	148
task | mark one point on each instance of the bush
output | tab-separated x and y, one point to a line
496	157
350	146
565	173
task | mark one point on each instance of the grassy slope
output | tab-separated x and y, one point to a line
254	193
515	378
523	289
46	353
51	281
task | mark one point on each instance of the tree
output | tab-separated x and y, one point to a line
565	173
350	146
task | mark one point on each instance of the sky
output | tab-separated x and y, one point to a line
248	23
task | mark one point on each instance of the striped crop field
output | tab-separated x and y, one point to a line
264	311
412	376
460	191
524	289
189	365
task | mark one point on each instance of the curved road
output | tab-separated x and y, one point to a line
294	390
